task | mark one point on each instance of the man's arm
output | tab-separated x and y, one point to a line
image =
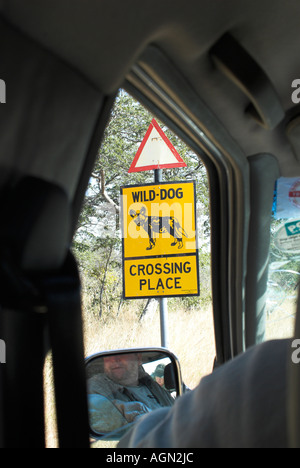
242	404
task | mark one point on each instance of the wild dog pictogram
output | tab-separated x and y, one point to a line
159	225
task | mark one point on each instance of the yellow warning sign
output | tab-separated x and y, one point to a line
160	254
161	277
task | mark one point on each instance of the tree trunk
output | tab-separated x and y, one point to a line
149	310
104	281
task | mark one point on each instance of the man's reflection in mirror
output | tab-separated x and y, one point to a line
159	375
126	384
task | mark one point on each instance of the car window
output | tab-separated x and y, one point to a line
284	271
110	321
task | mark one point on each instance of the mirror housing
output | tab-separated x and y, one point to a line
123	385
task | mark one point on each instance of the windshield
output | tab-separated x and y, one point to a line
284	270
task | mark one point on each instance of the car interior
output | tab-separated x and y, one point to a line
223	76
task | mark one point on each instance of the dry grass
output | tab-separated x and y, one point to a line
191	338
281	322
50	414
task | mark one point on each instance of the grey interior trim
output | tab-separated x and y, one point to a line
238	65
63	107
293	135
266	29
264	171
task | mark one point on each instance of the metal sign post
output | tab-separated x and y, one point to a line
163	302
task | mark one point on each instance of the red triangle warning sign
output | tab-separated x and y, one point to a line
156	152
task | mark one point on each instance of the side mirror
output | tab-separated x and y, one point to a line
124	385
